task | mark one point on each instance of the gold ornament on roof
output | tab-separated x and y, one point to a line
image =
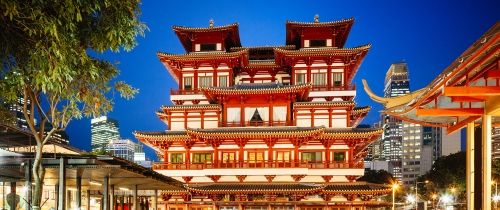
316	18
211	23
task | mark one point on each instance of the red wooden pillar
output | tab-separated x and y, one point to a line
351	155
271	111
295	117
308	72
216	156
329	75
202	114
292	73
185	120
215	77
242	111
312	117
327	153
195	78
296	155
330	117
165	157
348	117
169	120
270	144
188	157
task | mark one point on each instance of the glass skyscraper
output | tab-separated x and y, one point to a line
103	130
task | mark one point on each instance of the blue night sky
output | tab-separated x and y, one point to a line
428	35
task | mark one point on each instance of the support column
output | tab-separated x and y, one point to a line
13	192
28	176
351	156
112	198
61	201
56	195
155	200
78	190
188	156
329	76
134	202
242	114
105	194
216	156
486	156
88	199
469	175
296	155
122	202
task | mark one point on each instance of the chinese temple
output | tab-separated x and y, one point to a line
268	127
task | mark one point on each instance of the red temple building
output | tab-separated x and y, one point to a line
270	127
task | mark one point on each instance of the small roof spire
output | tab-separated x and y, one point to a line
211	23
316	18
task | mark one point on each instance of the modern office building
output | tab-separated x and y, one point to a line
396	83
265	127
103	130
17	112
122	148
495	137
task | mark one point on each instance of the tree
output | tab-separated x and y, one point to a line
447	172
378	177
46	49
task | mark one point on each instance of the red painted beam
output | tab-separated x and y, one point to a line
472	91
463	112
467	99
461	124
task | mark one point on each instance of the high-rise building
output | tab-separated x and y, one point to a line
421	146
450	143
16	109
495	137
397	83
275	126
103	130
122	148
140	156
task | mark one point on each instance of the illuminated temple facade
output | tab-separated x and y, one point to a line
269	127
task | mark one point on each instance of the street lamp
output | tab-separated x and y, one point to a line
496	197
416	192
434	197
394	188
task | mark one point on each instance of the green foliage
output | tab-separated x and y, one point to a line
447	172
378	177
45	47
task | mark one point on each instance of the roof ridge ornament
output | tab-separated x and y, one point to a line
211	23
316	18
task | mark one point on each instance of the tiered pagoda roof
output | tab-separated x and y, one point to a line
340	28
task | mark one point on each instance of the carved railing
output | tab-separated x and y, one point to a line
256	164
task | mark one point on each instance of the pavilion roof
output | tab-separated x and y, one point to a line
256	132
287	188
355	55
258	188
193	106
257	89
325	104
467	72
351	133
186	33
356	188
340	27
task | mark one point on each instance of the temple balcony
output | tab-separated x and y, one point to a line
256	123
329	93
257	165
180	97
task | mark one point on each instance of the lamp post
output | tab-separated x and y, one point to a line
416	192
394	188
434	197
453	190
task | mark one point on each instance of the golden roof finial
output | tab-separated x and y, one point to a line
211	23
316	18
